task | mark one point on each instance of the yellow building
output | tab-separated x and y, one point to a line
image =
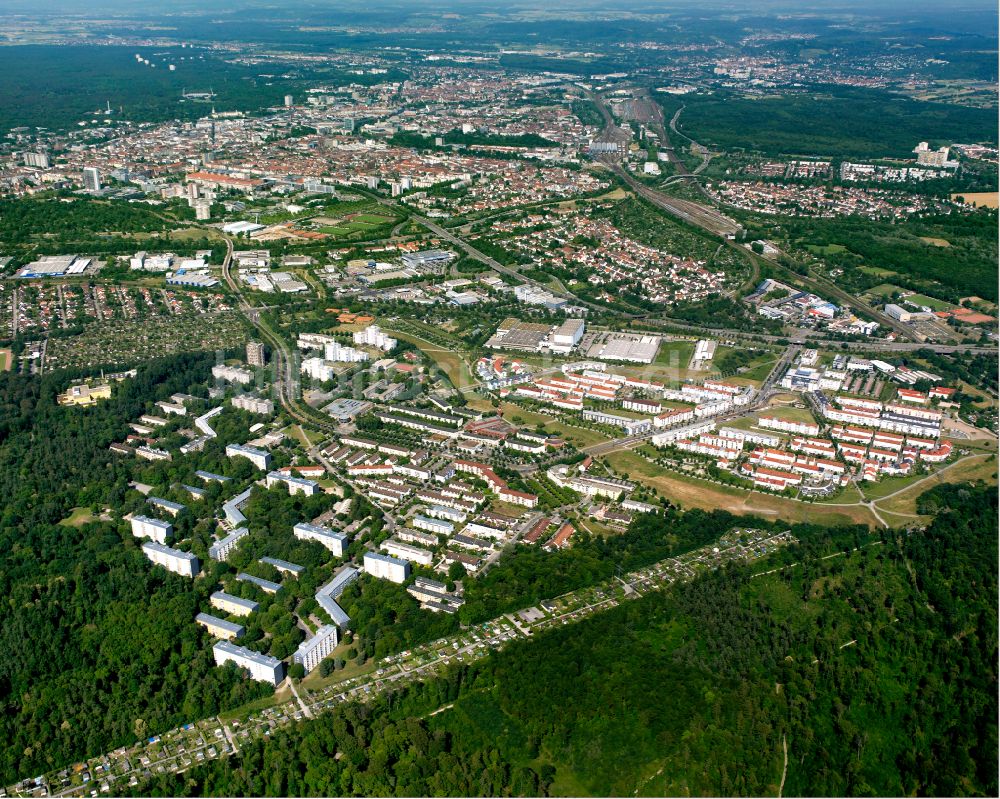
85	395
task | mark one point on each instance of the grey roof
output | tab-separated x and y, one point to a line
318	530
328	593
267	585
165	503
215	550
249	604
155	522
222	624
340	581
385	558
210	476
232	508
177	553
246	654
284	565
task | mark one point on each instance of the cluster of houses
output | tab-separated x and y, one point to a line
867	439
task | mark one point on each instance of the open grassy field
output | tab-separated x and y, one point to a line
975	467
575	435
791	414
253	707
876	270
81	516
451	362
517	415
931	302
885	289
6	360
692	493
757	373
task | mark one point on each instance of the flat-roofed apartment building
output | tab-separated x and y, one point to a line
258	457
386	567
331	539
408	552
220	628
261	667
174	560
233	604
220	549
311	652
145	527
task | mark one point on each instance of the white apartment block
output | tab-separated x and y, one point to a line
145	527
233	374
174	560
679	433
310	653
258	457
331	539
263	668
221	549
248	402
386	567
408	552
337	352
295	485
318	369
439	526
374	337
788	426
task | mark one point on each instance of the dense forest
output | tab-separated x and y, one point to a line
97	648
876	667
829	121
966	267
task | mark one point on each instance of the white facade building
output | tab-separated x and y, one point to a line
233	374
374	337
331	539
337	352
145	527
221	549
311	652
261	667
174	560
259	458
386	567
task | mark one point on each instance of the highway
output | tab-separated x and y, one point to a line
659	319
718	224
286	380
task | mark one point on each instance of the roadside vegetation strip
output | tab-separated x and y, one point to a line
282	707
